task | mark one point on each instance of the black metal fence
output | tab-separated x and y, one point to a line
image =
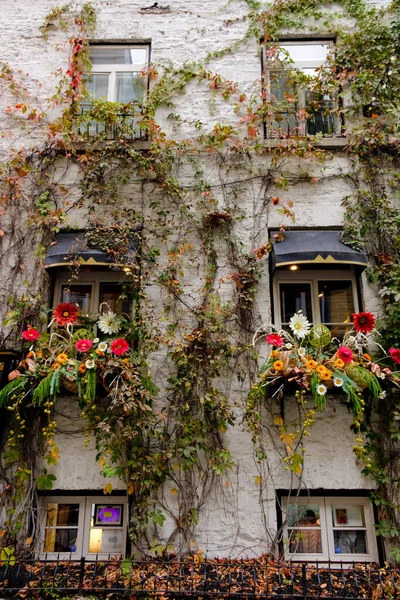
197	578
123	124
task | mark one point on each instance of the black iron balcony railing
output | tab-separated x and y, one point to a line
95	123
317	118
201	579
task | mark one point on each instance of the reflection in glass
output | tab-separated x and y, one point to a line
110	293
97	85
62	515
77	294
335	301
350	542
349	515
295	297
129	87
60	540
61	527
106	540
305	541
117	56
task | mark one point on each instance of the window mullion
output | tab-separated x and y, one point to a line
112	86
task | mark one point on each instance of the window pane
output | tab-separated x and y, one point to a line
97	84
77	294
62	514
305	541
350	542
118	56
60	540
349	515
295	297
335	301
303	515
110	293
105	540
129	87
303	53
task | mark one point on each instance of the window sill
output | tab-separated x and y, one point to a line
333	143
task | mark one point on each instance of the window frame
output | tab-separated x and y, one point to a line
299	106
312	277
326	504
113	68
84	526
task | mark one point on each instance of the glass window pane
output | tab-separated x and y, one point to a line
129	87
97	84
77	294
348	515
301	53
105	540
303	515
335	301
62	514
350	542
110	293
118	56
305	541
60	540
295	297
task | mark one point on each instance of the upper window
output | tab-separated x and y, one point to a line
117	73
73	527
328	297
290	72
330	528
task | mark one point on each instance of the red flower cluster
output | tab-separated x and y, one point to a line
119	346
345	354
395	355
30	334
364	322
65	313
83	345
275	340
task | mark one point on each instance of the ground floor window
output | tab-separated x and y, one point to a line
83	526
330	528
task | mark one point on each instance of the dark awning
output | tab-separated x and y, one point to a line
69	247
314	247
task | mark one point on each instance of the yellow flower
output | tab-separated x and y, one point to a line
339	364
321	369
56	365
326	375
62	358
274	354
311	365
278	365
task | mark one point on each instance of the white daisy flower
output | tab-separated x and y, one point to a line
301	351
102	346
380	375
109	323
288	346
382	395
299	325
337	381
96	340
321	390
90	364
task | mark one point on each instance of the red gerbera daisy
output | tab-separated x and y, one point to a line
345	354
83	345
395	355
119	346
65	313
364	322
274	339
30	334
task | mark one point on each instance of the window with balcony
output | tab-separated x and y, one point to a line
290	71
118	76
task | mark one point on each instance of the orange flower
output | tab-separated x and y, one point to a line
62	358
339	364
311	365
326	375
39	353
274	354
56	365
367	357
321	369
82	368
278	365
30	354
99	352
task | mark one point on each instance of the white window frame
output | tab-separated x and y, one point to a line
326	504
93	278
84	526
112	69
312	278
275	66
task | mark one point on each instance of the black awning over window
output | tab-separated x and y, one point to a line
69	247
315	247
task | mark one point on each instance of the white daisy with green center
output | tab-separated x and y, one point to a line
109	323
299	325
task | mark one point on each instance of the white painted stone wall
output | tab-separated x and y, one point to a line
231	522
